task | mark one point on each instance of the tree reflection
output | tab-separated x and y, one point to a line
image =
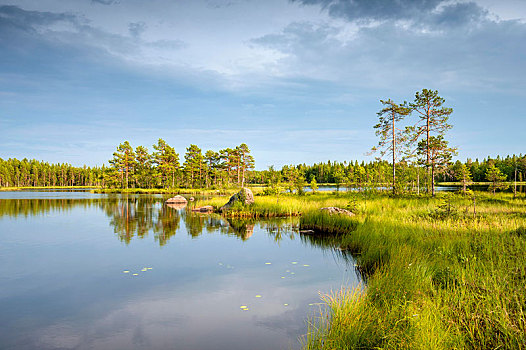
135	216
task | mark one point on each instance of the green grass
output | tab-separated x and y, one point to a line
436	278
195	191
284	205
321	221
479	183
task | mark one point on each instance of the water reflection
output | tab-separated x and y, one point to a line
135	217
66	286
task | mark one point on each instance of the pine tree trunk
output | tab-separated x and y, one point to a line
394	156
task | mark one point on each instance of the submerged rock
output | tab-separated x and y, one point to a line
177	199
336	210
244	196
205	209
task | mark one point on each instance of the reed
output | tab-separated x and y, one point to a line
438	277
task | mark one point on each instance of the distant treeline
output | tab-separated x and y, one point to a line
226	168
34	173
378	173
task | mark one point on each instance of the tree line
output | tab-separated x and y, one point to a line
34	173
378	174
139	168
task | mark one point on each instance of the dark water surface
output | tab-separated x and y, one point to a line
63	285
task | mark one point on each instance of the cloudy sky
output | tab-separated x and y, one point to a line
298	81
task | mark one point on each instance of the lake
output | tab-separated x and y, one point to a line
86	271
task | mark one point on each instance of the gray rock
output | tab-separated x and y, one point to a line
336	210
244	196
205	209
177	199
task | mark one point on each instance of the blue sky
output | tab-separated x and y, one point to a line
298	81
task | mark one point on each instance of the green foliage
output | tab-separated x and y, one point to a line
495	176
457	283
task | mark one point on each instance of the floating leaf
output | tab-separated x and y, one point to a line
306	265
136	274
292	273
282	276
311	304
150	268
285	304
258	296
243	307
294	262
267	263
125	271
144	270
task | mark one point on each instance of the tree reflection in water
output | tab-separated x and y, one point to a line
135	216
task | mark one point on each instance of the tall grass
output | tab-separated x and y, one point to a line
436	278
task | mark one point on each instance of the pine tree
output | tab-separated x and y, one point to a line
123	161
432	118
390	136
496	177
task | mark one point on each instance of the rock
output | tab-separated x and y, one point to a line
308	232
244	196
176	199
176	205
191	199
336	210
205	209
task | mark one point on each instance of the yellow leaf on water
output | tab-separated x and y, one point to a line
282	276
292	273
306	265
294	262
285	304
243	307
267	263
150	268
258	296
145	269
136	274
126	271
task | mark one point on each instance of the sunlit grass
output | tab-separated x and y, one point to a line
436	278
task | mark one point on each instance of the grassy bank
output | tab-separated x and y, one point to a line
284	205
509	183
438	277
195	191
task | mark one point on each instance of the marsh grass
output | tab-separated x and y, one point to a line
437	278
198	191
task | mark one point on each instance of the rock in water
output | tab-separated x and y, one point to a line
205	209
244	196
177	199
336	210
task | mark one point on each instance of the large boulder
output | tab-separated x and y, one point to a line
244	196
336	210
176	200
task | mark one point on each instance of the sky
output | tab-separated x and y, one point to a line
298	81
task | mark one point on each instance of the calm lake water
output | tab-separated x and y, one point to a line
64	258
